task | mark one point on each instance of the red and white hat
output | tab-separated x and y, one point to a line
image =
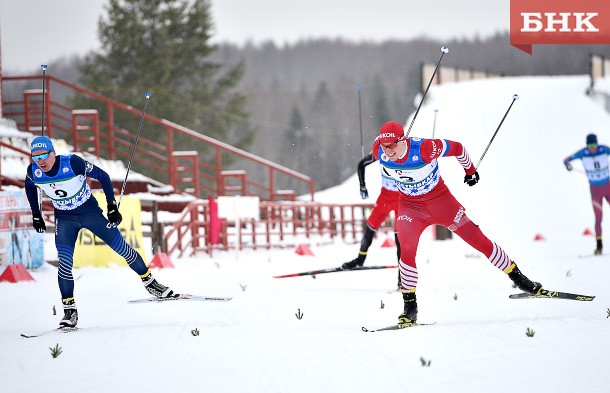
391	132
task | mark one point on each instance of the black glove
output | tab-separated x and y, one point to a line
114	217
38	223
364	193
471	180
568	166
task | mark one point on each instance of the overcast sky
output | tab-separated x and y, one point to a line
36	32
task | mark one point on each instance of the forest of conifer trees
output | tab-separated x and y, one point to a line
303	100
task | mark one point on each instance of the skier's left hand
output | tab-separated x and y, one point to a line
471	180
114	217
38	223
364	193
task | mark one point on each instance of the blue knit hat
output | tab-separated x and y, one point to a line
41	143
591	139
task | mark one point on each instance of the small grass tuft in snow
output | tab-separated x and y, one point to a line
56	351
424	362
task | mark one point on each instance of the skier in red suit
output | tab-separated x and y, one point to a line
425	200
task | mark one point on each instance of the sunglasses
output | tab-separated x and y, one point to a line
40	157
392	145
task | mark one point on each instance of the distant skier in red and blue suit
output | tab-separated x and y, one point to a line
425	200
594	159
64	179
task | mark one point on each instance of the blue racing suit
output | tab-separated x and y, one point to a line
75	208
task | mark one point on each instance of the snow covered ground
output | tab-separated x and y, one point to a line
255	342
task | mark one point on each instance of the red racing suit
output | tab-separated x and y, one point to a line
387	201
425	200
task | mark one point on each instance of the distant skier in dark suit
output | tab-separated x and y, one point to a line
386	202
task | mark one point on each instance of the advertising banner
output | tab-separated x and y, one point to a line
19	242
92	251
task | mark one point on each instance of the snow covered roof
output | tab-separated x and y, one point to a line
14	165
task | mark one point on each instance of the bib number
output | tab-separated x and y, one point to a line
61	193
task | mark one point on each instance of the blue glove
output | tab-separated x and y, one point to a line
364	194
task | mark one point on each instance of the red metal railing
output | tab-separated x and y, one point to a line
115	140
282	224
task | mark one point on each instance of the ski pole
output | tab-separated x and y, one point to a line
147	95
44	96
434	123
444	50
515	98
360	116
578	170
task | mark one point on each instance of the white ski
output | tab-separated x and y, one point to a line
182	297
397	326
57	330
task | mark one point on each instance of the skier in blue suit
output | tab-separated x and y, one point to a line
594	158
63	178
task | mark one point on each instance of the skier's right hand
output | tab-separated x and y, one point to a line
114	216
364	193
38	223
568	166
473	179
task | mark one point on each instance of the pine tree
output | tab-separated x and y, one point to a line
381	111
162	46
296	137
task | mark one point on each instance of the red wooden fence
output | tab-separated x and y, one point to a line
115	139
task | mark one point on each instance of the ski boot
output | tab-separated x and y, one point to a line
524	283
409	316
599	247
354	263
365	243
157	289
70	318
